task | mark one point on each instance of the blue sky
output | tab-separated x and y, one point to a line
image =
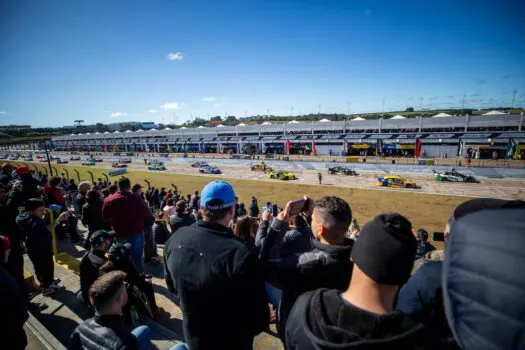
119	60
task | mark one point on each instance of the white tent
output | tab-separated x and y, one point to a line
153	129
107	132
324	120
72	135
442	115
129	131
398	117
266	123
293	122
97	133
494	113
200	127
358	118
79	133
166	128
117	132
183	127
220	126
88	133
139	130
241	124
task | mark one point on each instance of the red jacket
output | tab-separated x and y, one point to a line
126	213
54	195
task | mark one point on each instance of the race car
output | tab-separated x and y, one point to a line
395	181
89	163
342	170
154	161
119	165
52	157
98	159
74	158
281	175
62	161
3	156
261	166
157	167
13	157
125	160
199	164
40	157
453	176
209	170
28	159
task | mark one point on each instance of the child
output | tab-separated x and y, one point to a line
39	243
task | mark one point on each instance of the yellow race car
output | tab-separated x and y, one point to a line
395	181
261	166
281	175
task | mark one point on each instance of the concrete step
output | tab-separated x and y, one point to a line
64	312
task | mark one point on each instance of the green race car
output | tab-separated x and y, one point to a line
157	167
281	175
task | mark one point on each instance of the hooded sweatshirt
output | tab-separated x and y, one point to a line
322	319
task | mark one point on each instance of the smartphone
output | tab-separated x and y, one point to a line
438	236
297	206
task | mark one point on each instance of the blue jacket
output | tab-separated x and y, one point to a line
484	280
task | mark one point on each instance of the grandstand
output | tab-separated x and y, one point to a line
438	135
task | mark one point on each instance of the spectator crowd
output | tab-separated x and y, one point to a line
233	270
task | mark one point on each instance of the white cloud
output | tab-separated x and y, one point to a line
3	112
216	105
117	114
368	12
170	106
175	56
208	99
152	111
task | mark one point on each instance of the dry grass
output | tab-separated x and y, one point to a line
424	210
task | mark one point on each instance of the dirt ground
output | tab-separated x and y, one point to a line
428	207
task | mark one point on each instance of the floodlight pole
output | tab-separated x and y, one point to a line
44	144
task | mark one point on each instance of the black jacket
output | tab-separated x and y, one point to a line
178	220
323	320
13	311
297	241
38	237
92	217
219	286
89	266
253	210
101	333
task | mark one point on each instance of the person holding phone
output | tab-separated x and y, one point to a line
327	265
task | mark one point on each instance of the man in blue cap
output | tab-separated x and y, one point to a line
215	277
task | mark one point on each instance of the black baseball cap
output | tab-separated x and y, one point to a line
100	236
119	251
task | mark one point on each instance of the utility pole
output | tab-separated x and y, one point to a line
319	109
383	106
513	98
421	103
292	111
463	102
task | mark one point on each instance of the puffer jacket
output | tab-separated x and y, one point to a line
483	279
102	332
